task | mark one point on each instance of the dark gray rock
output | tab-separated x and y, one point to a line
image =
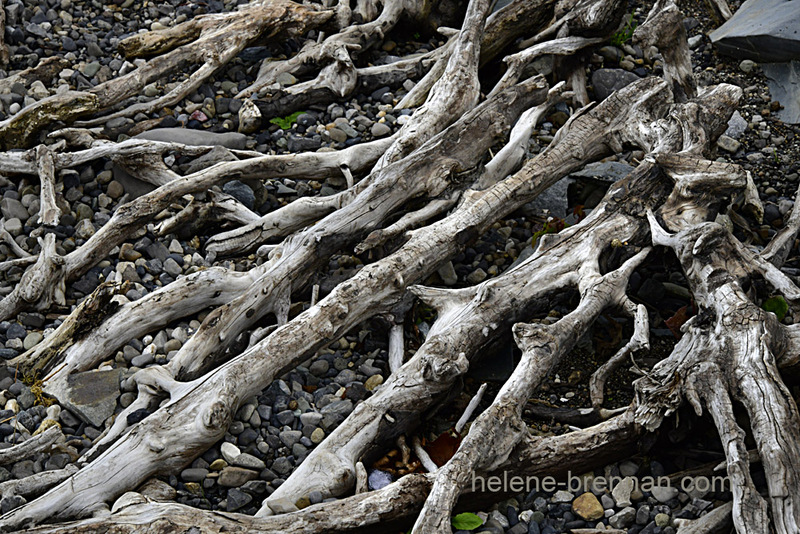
194	475
240	192
767	31
606	81
215	155
232	140
302	144
784	86
91	395
610	171
237	499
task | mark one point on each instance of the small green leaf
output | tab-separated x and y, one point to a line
286	122
776	305
466	521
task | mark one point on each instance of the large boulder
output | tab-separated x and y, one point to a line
784	86
767	31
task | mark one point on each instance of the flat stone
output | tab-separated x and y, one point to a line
248	461
784	86
233	477
767	31
13	226
281	506
91	395
237	499
553	199
609	171
588	507
240	192
12	208
216	155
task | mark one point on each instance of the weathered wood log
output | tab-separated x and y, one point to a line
218	38
386	508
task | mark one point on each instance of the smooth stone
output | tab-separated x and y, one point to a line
380	129
664	494
606	81
767	31
233	477
783	80
229	451
249	461
32	339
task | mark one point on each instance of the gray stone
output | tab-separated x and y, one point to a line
747	66
32	339
91	395
237	499
736	126
622	492
606	81
477	276
337	135
380	129
233	477
13	209
784	86
229	451
610	171
13	226
334	413
143	360
728	144
240	192
215	155
664	493
172	268
764	30
290	437
281	506
623	518
248	461
378	479
553	200
194	474
319	368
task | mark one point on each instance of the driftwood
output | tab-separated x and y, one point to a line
444	160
